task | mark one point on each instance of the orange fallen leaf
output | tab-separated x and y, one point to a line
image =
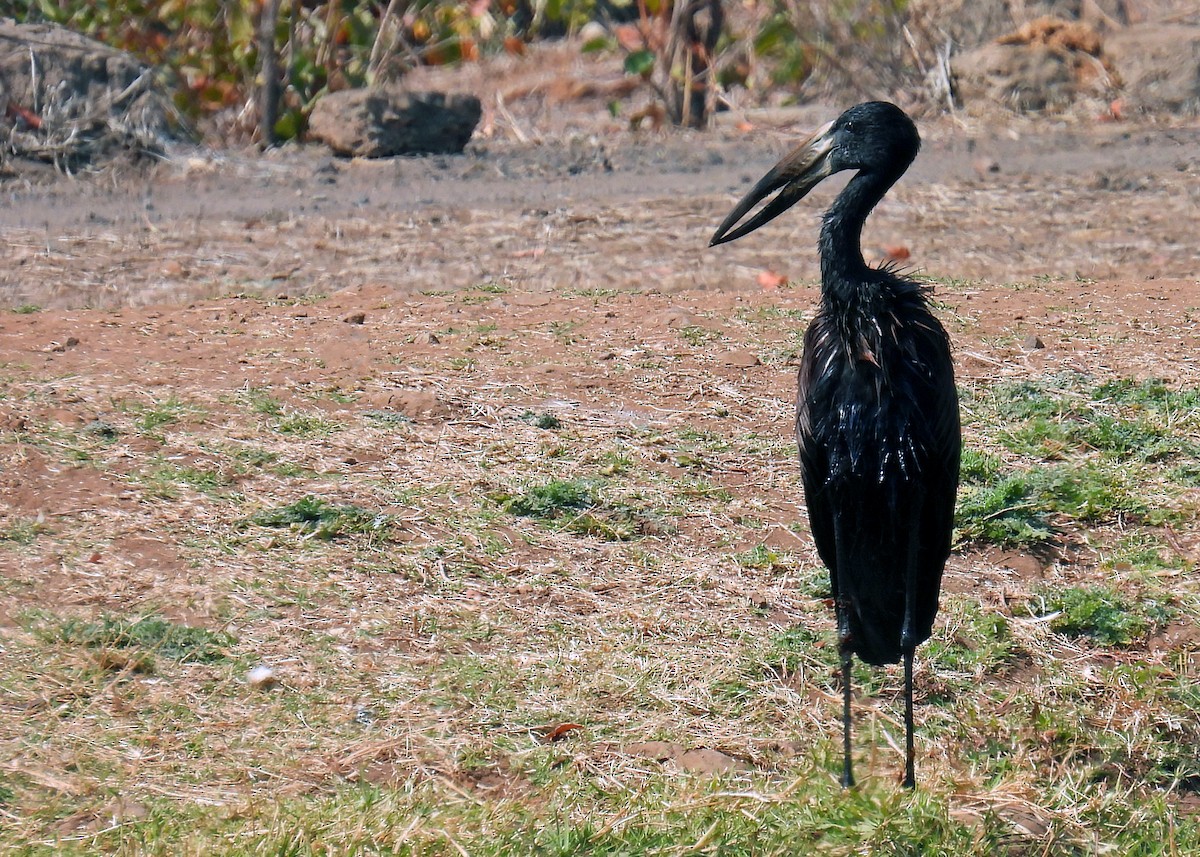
561	731
770	281
744	126
896	252
629	37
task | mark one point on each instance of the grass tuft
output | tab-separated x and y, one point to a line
543	420
575	505
150	635
321	519
1100	613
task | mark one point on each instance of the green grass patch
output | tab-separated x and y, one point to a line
764	557
318	518
1001	512
298	424
971	640
151	635
148	419
1075	452
576	505
1102	614
166	479
260	401
695	335
22	531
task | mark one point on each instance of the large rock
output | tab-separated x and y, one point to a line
1160	64
70	88
380	123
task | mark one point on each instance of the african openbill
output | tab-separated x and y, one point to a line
876	413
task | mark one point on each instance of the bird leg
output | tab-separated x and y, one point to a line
907	644
910	776
847	773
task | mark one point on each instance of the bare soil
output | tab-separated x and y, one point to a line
530	275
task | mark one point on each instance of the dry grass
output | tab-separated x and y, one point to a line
334	501
426	646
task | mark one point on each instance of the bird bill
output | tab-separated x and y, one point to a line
797	174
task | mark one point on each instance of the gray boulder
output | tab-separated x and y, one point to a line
381	123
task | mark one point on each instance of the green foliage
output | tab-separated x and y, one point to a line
694	334
153	417
797	645
1100	613
761	556
321	519
797	42
300	424
975	642
208	45
1063	414
260	401
640	63
210	48
21	531
206	480
150	635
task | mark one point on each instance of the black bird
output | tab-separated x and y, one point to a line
877	411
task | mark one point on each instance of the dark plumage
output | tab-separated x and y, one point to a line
877	412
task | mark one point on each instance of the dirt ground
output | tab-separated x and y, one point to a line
532	275
567	275
1032	229
1053	245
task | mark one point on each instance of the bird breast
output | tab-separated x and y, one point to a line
863	402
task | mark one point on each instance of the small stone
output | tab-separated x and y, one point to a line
262	677
355	318
592	31
426	338
1032	343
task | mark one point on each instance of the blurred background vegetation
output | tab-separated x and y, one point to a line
210	52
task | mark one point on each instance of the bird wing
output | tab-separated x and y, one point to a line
879	448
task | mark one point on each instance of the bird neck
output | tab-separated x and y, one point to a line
844	274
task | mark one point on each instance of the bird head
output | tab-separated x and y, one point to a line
871	137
